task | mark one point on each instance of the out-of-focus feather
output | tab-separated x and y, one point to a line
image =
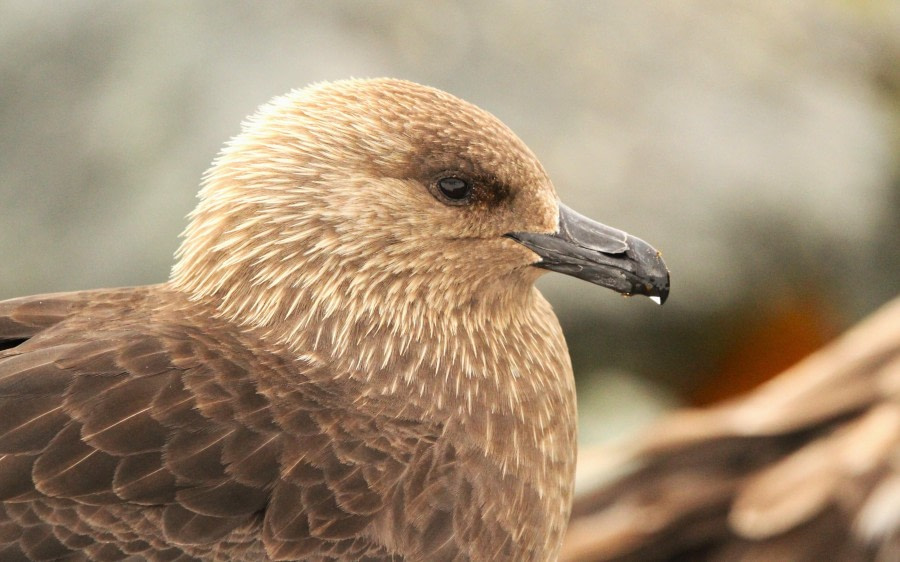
804	468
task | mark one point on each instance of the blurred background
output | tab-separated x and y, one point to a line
756	143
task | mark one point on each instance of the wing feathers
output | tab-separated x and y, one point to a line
22	318
39	543
173	406
224	499
33	373
15	478
132	432
71	468
285	519
196	456
142	479
29	423
184	527
252	458
124	424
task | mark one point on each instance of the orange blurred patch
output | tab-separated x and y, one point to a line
765	343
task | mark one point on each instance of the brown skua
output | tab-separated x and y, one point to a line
349	361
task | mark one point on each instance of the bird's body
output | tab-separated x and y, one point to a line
139	411
350	360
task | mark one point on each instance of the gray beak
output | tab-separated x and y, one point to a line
600	254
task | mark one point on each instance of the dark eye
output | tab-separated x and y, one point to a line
454	188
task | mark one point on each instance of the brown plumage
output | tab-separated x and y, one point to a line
805	468
350	360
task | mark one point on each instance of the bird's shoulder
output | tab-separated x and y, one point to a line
116	399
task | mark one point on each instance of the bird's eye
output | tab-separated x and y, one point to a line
454	189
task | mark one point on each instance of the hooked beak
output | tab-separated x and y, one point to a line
600	254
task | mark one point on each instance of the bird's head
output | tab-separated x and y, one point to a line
388	195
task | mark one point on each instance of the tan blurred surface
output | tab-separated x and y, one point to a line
803	469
